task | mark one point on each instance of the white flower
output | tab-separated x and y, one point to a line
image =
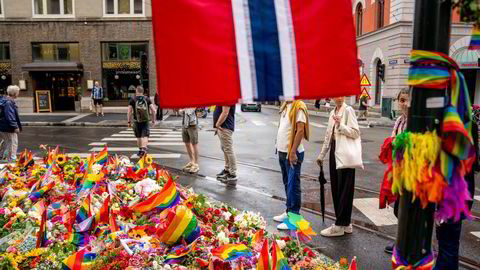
130	192
227	215
105	195
155	265
281	244
222	238
7	212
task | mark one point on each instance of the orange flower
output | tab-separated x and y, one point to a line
343	261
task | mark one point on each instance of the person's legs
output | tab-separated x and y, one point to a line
189	151
8	140
448	236
228	146
101	109
346	188
194	153
13	155
96	107
334	179
282	160
222	145
294	196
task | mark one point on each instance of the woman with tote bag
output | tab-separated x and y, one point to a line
343	140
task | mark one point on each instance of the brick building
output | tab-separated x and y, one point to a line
62	46
384	39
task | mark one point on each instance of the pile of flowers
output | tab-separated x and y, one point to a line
106	212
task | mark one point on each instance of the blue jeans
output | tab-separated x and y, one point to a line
448	236
291	181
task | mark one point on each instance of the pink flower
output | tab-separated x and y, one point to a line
12	249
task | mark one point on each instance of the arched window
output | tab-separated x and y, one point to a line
380	13
359	12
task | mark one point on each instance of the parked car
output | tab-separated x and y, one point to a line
251	107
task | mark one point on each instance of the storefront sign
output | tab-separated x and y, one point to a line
393	62
43	100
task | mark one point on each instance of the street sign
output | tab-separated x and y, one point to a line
406	61
365	92
393	62
364	81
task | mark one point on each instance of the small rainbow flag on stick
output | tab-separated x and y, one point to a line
42	233
264	262
279	262
231	252
178	257
102	157
162	200
79	260
475	41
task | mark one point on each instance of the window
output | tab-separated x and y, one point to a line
124	51
4	51
1	8
380	13
124	8
54	52
53	8
359	13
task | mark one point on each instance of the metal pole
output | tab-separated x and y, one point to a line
431	32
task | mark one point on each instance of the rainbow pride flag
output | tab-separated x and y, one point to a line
257	238
80	260
102	157
34	196
162	200
79	239
113	222
299	227
475	41
103	213
264	262
278	260
42	233
84	211
56	209
231	252
177	258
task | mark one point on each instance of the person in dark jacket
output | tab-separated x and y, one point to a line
10	124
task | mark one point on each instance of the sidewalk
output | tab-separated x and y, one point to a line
324	112
76	119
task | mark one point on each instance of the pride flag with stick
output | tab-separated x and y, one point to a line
79	260
264	262
162	200
231	252
102	157
279	261
42	233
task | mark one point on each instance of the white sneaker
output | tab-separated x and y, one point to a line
194	168
282	226
333	230
187	167
281	218
348	229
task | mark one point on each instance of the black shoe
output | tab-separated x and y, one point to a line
230	179
389	249
222	175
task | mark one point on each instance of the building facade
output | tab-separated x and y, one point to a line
384	39
63	46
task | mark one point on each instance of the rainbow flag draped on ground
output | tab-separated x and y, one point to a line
162	200
79	239
84	211
231	251
278	260
79	260
56	209
264	262
177	258
102	157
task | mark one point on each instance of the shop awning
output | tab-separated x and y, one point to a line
466	59
53	66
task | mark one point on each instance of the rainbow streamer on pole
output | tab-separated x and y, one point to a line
279	261
231	252
102	157
264	261
162	200
475	41
79	260
42	233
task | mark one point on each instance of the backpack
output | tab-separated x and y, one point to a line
141	109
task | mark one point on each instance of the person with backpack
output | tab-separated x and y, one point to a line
190	138
10	124
141	109
97	97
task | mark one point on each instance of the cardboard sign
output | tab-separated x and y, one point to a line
364	81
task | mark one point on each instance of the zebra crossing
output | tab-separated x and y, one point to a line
313	124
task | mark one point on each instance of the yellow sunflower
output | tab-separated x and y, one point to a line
149	159
61	159
137	233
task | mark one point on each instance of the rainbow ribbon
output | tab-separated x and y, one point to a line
399	263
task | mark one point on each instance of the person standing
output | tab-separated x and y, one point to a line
141	109
224	123
10	124
97	97
293	128
342	122
363	108
403	98
190	138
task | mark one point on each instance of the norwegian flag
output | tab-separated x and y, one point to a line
227	51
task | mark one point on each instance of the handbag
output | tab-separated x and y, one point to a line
348	151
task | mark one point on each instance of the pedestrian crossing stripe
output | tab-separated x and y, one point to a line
135	139
97	143
82	155
317	125
134	149
477	234
258	123
379	217
151	135
159	156
152	132
477	197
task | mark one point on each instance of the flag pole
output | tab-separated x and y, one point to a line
431	32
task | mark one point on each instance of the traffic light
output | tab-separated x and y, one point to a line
381	72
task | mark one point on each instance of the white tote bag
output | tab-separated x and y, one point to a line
348	151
